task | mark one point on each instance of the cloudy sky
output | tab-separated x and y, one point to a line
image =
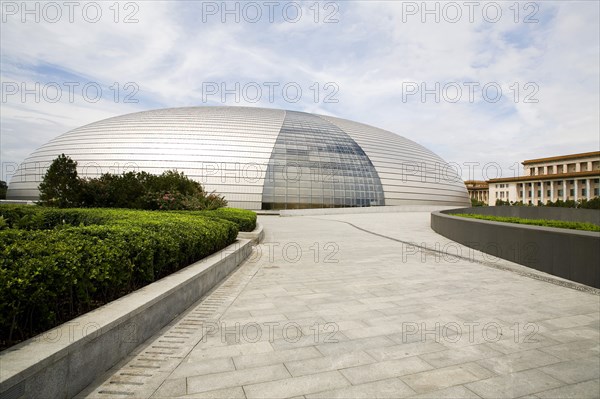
479	82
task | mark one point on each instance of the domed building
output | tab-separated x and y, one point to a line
257	158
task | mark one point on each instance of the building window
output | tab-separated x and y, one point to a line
521	194
596	192
496	194
539	193
539	184
560	193
548	193
583	192
529	193
572	192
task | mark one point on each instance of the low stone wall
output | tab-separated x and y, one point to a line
367	209
537	212
63	361
255	236
570	254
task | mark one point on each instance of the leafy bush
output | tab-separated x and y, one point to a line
475	202
537	222
169	191
56	264
245	220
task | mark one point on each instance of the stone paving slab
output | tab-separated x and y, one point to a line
324	308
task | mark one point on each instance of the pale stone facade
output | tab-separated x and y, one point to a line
566	177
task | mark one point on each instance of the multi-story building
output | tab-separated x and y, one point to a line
478	190
565	177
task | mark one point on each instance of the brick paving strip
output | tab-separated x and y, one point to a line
325	309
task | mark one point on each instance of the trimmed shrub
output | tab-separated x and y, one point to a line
244	219
537	222
56	264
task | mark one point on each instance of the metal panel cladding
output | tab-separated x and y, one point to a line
410	173
249	155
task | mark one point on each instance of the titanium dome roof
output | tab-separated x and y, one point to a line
257	158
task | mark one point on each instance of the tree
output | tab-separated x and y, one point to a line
60	186
3	188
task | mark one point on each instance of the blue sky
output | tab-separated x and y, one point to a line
373	59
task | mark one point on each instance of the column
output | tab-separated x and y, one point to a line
588	195
552	190
542	188
575	188
564	190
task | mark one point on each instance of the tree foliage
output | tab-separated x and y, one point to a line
3	188
171	190
61	186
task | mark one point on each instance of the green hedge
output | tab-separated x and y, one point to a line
56	264
245	220
537	222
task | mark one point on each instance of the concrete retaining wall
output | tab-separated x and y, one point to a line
371	209
570	254
63	361
255	236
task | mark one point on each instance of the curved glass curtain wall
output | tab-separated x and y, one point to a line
315	164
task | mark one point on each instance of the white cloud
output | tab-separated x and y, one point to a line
371	53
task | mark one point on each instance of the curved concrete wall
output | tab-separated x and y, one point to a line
570	254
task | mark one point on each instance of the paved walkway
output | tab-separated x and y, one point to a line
340	306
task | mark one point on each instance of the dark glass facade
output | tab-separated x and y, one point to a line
315	164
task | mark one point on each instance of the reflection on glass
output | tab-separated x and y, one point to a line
316	164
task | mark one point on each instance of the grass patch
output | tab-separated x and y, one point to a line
535	222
